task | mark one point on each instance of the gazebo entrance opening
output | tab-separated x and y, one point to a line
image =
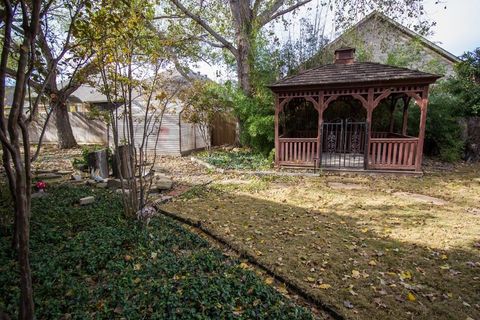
344	134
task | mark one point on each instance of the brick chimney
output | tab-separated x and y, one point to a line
344	56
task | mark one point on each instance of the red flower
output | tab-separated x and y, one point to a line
41	185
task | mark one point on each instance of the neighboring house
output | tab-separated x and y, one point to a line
380	39
176	137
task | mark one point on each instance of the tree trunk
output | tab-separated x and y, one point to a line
243	64
66	139
23	229
242	17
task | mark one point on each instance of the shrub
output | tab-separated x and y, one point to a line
442	132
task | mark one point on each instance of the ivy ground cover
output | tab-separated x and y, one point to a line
89	262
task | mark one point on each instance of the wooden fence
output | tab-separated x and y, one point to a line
223	132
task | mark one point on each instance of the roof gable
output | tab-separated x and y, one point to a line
378	16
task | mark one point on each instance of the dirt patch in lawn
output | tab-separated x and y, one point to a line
346	186
420	198
367	252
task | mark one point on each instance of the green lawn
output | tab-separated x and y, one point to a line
359	243
238	159
90	262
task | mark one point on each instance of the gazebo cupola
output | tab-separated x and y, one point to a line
351	115
344	56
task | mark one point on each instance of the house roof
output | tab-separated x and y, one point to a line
354	73
378	15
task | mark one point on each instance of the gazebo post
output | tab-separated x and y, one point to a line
277	143
320	108
406	102
421	133
369	107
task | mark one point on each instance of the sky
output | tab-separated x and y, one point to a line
457	29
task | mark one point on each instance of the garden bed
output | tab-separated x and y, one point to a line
90	262
353	242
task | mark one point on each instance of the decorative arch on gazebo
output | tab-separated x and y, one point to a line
376	83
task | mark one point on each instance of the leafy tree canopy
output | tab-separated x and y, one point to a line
467	83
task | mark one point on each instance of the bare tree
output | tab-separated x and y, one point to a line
14	134
65	64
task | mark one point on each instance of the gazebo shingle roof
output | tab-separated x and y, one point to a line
354	73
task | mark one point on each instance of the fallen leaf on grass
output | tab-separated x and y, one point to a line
405	275
310	279
355	274
238	311
411	297
118	310
324	286
269	280
379	303
282	289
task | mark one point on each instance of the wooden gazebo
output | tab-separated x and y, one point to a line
323	116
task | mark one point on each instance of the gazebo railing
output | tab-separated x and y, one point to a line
377	134
393	153
384	153
297	151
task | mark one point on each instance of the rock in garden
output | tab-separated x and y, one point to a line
90	182
114	183
39	195
119	191
162	199
146	213
162	182
49	175
76	177
41	171
86	200
102	185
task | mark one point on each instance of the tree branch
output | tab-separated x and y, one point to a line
205	26
273	13
173	16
